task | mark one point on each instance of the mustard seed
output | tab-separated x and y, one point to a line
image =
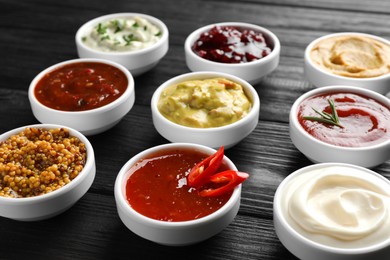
37	161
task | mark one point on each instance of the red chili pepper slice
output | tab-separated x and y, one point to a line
233	178
200	174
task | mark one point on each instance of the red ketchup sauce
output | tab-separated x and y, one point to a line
81	86
365	121
157	187
228	44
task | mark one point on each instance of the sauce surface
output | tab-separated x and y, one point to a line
157	187
122	34
204	103
338	206
352	56
81	86
365	121
229	44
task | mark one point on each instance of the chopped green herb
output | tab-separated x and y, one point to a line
158	34
84	39
145	28
101	29
117	25
128	38
114	22
135	25
106	37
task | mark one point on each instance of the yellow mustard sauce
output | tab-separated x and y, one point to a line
204	103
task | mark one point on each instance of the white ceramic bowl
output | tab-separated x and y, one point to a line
137	62
319	151
228	135
315	246
88	122
174	233
320	77
51	204
252	71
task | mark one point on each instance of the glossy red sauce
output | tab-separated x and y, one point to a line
228	44
157	187
81	86
365	121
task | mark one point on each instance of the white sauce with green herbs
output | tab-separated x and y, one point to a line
122	34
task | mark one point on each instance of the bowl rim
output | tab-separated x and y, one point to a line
192	37
155	21
317	68
302	239
89	165
337	88
248	89
130	89
122	178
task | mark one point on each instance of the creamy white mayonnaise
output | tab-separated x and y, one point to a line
122	34
339	206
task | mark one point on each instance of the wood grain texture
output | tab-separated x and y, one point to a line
39	33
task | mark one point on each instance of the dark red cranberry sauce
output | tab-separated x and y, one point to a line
229	44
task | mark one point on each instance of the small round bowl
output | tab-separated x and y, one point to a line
215	137
252	71
319	151
179	233
56	202
88	122
137	61
306	245
320	77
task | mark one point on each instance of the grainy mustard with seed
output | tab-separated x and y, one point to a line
38	161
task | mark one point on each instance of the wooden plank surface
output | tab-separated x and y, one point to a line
39	33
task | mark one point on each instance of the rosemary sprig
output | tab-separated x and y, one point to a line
332	119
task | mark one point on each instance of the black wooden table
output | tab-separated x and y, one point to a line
37	34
